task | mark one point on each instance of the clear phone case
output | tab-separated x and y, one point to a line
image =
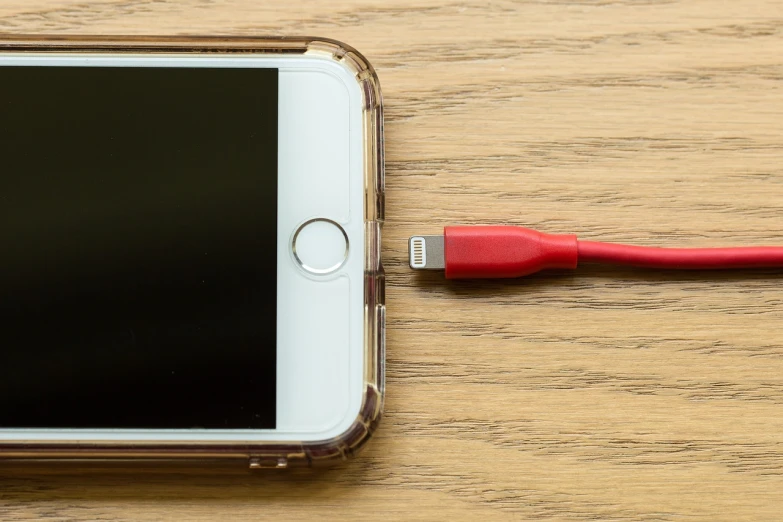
257	454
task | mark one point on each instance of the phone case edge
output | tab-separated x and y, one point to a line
258	455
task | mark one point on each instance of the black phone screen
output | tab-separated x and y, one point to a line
138	232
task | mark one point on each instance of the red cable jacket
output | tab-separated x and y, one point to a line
681	258
506	251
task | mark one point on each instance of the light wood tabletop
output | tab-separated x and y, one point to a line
601	394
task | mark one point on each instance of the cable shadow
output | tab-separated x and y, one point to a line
593	276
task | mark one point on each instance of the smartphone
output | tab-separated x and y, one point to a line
190	262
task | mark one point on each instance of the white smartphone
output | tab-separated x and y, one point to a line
189	262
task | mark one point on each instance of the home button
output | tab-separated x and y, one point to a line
320	246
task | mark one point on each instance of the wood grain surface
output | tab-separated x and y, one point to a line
595	395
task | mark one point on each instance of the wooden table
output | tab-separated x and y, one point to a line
596	395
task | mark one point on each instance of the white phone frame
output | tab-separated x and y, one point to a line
320	353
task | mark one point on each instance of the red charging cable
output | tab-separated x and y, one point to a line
507	251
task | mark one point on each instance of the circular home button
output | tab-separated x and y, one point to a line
320	246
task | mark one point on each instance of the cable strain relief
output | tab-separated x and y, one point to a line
559	251
504	251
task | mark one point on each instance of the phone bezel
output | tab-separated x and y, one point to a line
298	426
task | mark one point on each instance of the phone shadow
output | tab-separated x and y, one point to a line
89	484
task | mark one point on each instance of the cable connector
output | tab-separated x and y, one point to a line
426	252
477	252
492	252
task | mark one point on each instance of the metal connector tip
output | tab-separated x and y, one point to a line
426	253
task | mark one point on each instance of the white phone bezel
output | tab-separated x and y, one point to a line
320	175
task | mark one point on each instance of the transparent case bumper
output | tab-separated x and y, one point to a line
256	455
